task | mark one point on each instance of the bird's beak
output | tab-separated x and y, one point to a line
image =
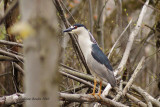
68	30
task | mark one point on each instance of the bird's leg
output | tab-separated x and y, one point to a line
94	88
100	89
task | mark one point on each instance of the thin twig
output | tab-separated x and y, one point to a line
2	52
4	42
91	16
68	11
77	79
18	68
136	101
110	53
119	16
81	75
100	23
134	75
3	74
102	11
6	58
150	6
75	89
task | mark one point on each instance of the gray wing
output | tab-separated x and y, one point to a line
99	64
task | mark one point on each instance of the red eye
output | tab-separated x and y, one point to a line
75	27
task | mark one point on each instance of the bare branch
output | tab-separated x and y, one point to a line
81	75
3	74
18	68
110	53
129	46
75	89
12	99
119	16
6	58
89	98
19	98
100	23
141	91
2	52
77	79
134	75
131	38
146	96
91	15
4	42
137	101
130	82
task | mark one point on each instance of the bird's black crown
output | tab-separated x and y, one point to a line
79	25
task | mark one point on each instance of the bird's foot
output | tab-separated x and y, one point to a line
93	94
99	94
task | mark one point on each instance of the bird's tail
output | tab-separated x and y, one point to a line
111	78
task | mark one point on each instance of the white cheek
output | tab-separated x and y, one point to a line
75	31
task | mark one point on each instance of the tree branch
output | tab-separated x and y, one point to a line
131	38
2	52
110	53
89	98
12	99
145	94
77	79
129	46
137	101
131	80
18	68
4	42
91	15
6	58
19	98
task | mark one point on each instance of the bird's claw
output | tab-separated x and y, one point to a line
99	94
93	94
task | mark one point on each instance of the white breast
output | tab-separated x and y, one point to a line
85	45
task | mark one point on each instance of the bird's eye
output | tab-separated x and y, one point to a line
75	27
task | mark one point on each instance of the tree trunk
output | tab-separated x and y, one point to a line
41	53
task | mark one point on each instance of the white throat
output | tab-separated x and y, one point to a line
85	43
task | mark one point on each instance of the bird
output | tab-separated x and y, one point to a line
96	60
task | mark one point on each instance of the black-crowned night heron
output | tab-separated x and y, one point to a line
95	58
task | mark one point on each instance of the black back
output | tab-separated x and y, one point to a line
100	57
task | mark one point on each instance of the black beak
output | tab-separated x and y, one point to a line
68	30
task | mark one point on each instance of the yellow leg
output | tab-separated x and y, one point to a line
100	89
94	88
